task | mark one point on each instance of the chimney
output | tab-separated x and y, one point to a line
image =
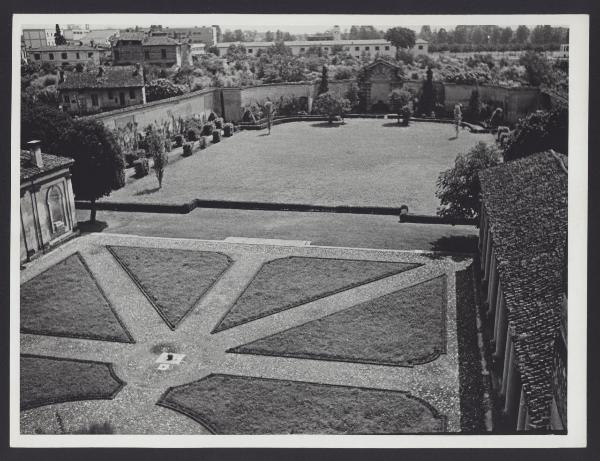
100	71
35	149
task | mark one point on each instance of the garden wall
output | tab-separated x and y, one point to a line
516	102
201	102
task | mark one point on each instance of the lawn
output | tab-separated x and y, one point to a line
403	328
242	405
365	163
47	380
172	280
66	301
288	282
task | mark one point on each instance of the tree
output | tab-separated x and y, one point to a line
269	36
441	36
228	36
44	123
425	33
331	104
162	89
458	188
506	35
427	101
99	164
401	37
538	132
460	34
399	103
537	67
324	83
353	96
238	35
59	38
156	148
522	34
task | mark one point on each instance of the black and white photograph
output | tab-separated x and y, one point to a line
290	225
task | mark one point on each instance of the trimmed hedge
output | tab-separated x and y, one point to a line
142	167
216	136
228	130
188	149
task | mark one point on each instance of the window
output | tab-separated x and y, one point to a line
250	50
116	55
77	55
63	55
420	47
51	56
90	54
346	48
326	49
36	56
366	47
163	53
301	49
357	48
131	93
95	100
376	48
387	48
56	210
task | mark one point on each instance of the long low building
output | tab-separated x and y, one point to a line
66	54
523	238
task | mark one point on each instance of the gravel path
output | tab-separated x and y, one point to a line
134	410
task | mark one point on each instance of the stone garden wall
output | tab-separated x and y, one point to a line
229	102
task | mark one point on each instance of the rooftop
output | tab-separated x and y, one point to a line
112	77
158	40
375	41
526	202
59	48
51	163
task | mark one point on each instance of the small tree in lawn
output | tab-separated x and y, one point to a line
156	148
59	38
269	111
399	100
324	83
332	105
99	165
458	188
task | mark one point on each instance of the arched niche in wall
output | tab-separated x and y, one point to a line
56	210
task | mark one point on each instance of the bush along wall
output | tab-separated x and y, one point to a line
142	167
202	142
216	136
187	149
228	130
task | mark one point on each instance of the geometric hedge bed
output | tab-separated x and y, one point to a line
173	280
227	404
65	300
48	380
403	328
289	282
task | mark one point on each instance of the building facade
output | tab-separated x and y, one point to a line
36	38
357	48
110	88
204	34
421	47
47	202
66	54
135	47
523	232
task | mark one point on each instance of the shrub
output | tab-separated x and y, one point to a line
207	129
142	167
193	134
187	149
202	142
414	76
178	140
219	123
398	99
228	129
405	56
168	145
216	136
405	113
162	89
49	80
331	104
130	158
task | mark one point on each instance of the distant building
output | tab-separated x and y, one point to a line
109	88
99	37
66	54
371	48
421	47
47	203
334	34
523	234
204	34
36	38
160	50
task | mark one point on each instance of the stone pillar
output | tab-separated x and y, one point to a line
513	389
492	284
488	258
507	362
501	333
523	413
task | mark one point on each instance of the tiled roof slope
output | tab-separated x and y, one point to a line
112	77
51	163
526	202
159	40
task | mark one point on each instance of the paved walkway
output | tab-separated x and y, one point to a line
134	410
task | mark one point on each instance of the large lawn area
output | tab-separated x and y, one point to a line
364	162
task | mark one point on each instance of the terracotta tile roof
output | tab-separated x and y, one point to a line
51	163
526	202
112	77
59	48
133	36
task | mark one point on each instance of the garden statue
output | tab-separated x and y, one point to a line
269	110
457	117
